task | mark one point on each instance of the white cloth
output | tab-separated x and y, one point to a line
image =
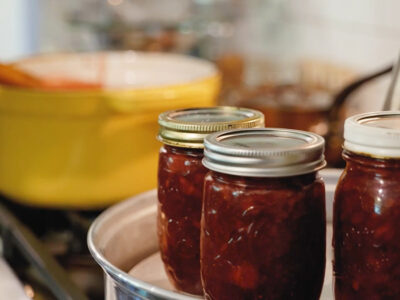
10	286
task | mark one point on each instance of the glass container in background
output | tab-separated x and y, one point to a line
366	237
180	185
263	221
195	27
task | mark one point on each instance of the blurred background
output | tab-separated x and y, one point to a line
70	148
275	55
359	34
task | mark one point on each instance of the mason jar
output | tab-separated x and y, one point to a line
263	221
366	218
180	185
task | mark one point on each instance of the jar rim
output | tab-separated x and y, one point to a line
375	134
264	152
188	127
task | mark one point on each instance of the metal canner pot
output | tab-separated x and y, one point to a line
126	234
119	239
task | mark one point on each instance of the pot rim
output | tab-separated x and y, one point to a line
117	274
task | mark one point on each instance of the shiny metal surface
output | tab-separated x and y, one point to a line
188	127
119	239
125	234
264	152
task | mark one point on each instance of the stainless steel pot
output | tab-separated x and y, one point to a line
120	238
125	234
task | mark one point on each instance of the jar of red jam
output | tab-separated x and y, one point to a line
366	217
180	185
263	221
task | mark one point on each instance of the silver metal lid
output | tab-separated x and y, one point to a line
264	152
188	127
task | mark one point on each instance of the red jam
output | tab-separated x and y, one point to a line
180	190
263	238
367	229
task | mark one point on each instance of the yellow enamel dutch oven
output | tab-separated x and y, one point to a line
90	148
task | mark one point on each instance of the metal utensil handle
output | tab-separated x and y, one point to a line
389	103
19	235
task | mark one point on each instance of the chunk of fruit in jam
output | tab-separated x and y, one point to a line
263	238
366	229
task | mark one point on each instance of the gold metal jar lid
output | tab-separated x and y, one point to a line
187	128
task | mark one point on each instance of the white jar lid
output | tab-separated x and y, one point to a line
375	134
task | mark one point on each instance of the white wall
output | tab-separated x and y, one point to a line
363	34
360	33
17	28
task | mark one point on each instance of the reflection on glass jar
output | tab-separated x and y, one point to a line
179	194
263	223
367	210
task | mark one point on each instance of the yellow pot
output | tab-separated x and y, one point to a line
88	149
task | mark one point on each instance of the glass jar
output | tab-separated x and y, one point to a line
180	185
263	222
366	237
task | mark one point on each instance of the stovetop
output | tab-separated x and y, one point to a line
47	251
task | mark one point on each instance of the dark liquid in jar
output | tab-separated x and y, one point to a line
367	229
263	238
180	191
